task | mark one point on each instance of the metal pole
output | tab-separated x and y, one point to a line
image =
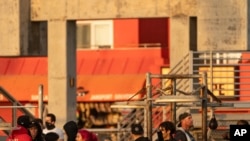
173	105
211	79
149	106
14	114
40	101
204	107
118	133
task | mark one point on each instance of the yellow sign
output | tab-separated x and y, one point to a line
221	83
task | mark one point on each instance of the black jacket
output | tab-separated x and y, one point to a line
142	139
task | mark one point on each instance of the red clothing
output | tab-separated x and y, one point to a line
19	134
88	136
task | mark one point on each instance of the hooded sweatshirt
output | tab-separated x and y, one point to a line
19	134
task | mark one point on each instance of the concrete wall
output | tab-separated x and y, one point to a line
96	9
222	25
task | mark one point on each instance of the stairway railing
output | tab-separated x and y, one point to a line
16	105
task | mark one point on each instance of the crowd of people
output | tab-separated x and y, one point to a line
168	131
34	130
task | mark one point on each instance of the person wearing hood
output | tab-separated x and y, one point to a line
71	130
21	133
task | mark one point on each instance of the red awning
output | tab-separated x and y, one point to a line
108	75
99	87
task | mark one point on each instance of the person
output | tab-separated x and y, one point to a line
242	122
137	133
40	121
71	130
51	136
50	121
166	131
36	132
21	133
226	136
184	126
84	135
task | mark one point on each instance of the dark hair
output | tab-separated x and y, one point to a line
71	130
52	117
242	122
51	136
39	120
39	136
168	125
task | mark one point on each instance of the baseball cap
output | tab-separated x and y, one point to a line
183	116
136	129
24	121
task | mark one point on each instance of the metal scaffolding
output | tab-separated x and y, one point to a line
149	101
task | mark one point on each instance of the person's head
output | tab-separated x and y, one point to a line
35	129
71	130
40	121
136	131
242	122
84	135
167	129
50	120
186	121
24	121
51	136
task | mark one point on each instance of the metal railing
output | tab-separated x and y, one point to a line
15	106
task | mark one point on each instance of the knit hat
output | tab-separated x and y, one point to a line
136	129
183	116
24	121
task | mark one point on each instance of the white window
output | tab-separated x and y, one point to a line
95	34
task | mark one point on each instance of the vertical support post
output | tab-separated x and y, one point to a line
14	114
204	107
119	128
173	104
149	106
145	121
40	101
211	79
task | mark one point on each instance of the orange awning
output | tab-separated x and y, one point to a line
110	87
99	87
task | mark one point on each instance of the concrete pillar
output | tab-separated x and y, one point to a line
14	24
62	70
179	44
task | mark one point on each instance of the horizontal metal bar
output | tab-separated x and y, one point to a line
176	76
18	106
167	99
